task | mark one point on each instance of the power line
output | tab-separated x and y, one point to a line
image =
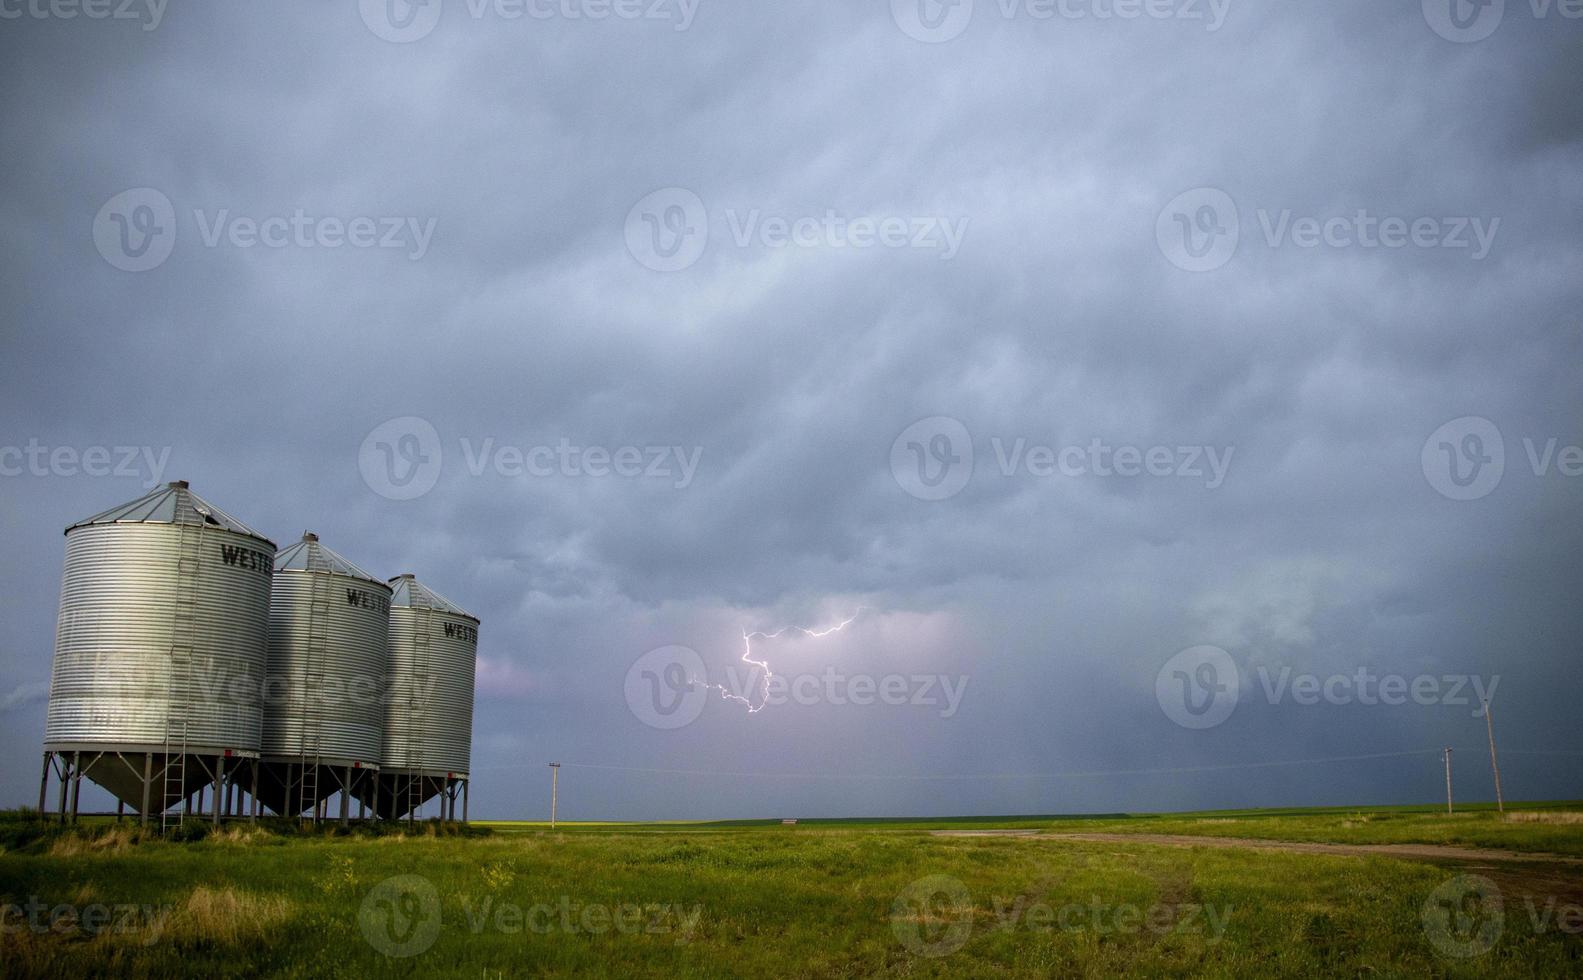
986	776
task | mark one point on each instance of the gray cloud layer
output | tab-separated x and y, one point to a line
1059	320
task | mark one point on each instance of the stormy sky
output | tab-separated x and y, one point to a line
1048	341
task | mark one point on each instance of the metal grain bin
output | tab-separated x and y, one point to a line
160	645
329	626
433	658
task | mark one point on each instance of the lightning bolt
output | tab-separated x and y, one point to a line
747	658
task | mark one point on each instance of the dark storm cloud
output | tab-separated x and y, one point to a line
1054	145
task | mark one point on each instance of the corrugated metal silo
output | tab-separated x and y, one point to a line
159	648
429	717
324	706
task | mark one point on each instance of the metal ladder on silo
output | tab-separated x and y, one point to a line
313	693
178	680
417	702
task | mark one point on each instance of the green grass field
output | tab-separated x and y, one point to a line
822	898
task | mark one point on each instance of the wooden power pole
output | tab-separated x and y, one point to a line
555	778
1448	779
1495	763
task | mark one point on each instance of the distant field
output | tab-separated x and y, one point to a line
1551	826
819	899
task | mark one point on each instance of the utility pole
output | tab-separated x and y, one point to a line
555	778
1489	727
1448	779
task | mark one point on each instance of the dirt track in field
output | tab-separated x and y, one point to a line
1420	852
1526	872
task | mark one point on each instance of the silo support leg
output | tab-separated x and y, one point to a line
43	782
148	784
252	805
464	800
65	787
76	783
219	788
346	797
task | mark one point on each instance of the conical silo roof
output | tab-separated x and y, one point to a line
172	503
408	591
311	555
